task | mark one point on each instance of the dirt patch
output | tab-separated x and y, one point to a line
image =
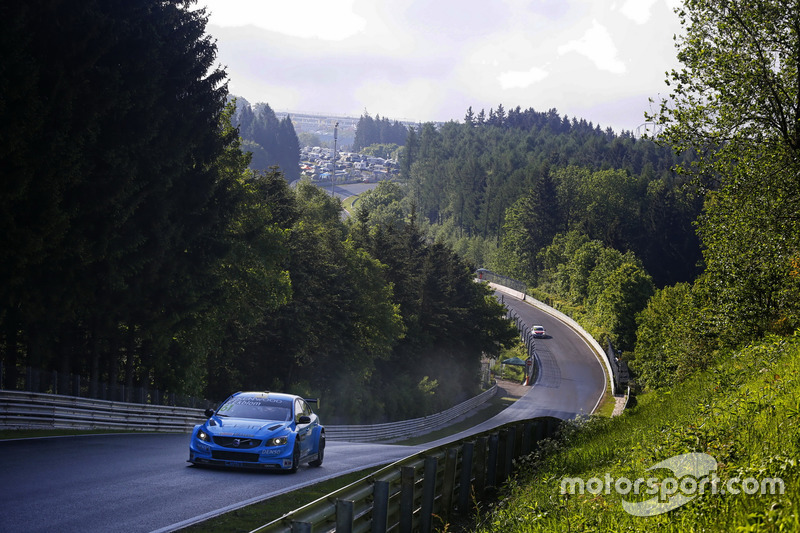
511	389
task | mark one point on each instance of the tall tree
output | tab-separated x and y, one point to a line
111	201
736	104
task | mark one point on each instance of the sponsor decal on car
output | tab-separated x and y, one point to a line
271	451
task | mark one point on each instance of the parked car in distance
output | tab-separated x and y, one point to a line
539	332
259	430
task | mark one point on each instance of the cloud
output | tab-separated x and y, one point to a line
327	20
597	45
638	11
521	79
410	100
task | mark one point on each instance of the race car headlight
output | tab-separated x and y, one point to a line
202	435
277	441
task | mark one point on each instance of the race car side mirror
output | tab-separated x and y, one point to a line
209	413
305	419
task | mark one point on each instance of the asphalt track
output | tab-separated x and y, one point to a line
141	482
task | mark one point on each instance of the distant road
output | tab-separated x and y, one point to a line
571	379
349	189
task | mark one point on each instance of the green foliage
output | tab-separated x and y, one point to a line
384	151
511	372
378	131
734	104
272	141
521	177
675	336
441	306
113	207
610	287
309	139
381	205
742	412
626	292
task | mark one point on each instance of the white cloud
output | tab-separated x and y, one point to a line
411	100
638	11
328	20
521	79
597	45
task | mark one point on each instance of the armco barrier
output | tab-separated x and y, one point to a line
407	428
424	491
37	410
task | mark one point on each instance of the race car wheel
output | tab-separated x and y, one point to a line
295	458
321	453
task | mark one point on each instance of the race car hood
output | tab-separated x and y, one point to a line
244	427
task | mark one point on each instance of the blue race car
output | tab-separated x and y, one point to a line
262	430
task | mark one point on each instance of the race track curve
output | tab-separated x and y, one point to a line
141	482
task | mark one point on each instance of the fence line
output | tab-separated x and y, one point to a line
68	384
31	410
417	492
34	410
619	368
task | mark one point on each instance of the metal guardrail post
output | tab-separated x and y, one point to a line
465	483
428	493
380	506
506	451
501	457
301	527
481	449
491	467
407	482
344	516
449	482
540	431
527	433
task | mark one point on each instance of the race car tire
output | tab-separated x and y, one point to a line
295	458
321	453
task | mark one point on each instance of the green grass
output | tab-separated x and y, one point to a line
607	404
745	413
349	203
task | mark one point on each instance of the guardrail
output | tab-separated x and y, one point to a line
37	410
435	484
407	428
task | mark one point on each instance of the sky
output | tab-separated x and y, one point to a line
431	60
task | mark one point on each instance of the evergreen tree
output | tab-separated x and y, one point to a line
115	204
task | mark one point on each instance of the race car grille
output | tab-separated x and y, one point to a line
234	442
235	456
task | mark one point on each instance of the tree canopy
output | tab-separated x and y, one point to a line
521	176
272	141
736	104
378	130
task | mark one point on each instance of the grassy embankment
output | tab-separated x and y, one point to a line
744	413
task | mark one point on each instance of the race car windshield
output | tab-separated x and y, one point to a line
257	408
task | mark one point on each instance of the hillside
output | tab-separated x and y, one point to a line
743	412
